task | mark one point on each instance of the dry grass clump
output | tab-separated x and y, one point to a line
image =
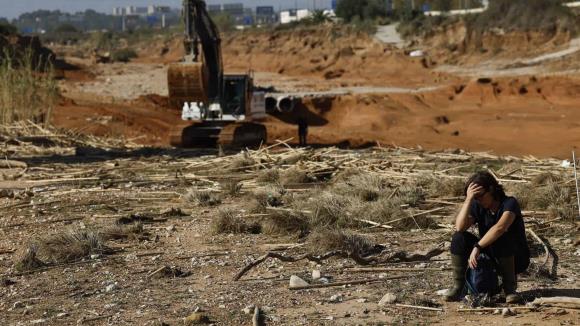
295	175
410	223
366	187
346	174
232	187
328	239
269	176
242	161
270	196
202	197
25	92
546	178
123	231
410	194
28	260
381	211
331	210
62	248
547	193
230	222
438	186
283	222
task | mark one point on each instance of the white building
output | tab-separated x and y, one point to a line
289	16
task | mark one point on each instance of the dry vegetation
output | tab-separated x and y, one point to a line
27	92
139	233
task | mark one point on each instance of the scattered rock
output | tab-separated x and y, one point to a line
443	292
567	241
388	299
249	309
296	281
6	282
497	312
506	312
316	275
362	300
336	298
111	287
39	321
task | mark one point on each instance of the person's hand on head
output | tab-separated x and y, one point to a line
474	190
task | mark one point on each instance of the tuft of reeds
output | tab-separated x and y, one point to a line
65	247
269	176
270	196
228	222
295	175
202	197
28	91
232	187
285	223
329	239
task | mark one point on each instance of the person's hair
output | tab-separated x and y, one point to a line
487	181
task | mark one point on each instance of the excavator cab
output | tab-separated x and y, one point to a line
235	100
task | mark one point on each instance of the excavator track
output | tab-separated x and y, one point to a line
227	135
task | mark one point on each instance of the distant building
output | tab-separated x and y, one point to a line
156	10
233	9
119	11
289	16
265	15
212	9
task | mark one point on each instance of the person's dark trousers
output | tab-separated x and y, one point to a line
501	250
462	244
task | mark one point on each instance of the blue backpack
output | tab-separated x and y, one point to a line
483	279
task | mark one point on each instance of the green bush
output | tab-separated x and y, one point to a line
7	28
123	55
526	15
66	28
363	9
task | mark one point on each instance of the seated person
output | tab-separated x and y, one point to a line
502	235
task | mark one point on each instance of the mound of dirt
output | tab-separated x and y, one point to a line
325	52
458	44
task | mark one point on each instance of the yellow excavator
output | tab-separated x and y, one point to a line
224	109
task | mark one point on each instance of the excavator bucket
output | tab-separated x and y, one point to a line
187	82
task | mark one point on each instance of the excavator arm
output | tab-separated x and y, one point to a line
201	30
199	78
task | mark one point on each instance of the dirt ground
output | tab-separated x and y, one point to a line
364	92
84	187
159	259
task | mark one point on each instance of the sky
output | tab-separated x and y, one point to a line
13	8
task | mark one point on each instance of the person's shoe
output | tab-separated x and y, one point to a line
507	271
459	267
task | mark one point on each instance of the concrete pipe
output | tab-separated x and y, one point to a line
271	104
286	104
